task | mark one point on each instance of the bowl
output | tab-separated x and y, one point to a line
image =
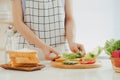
116	64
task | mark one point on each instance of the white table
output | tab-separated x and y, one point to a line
49	73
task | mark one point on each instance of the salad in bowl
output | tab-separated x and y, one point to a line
112	48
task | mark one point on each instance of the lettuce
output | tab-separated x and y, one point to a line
94	53
69	56
111	45
72	55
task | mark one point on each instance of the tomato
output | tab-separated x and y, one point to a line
88	62
116	54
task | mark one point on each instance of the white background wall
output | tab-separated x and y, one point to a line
5	10
5	15
96	21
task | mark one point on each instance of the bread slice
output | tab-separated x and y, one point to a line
23	57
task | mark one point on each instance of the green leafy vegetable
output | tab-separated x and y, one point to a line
98	50
72	55
111	45
94	54
79	55
69	56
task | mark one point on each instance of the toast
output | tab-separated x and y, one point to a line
23	58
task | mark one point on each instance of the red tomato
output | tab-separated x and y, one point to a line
88	62
116	54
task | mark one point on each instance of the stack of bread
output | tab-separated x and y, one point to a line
23	58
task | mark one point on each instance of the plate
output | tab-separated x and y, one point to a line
7	66
76	66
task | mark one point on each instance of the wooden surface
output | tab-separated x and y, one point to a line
7	66
75	66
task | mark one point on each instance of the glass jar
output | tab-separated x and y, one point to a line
116	64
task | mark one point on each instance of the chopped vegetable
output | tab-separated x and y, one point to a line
69	63
88	62
72	55
69	56
93	54
79	55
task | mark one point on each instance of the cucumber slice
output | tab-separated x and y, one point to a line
69	63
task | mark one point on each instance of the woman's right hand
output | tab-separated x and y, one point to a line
47	50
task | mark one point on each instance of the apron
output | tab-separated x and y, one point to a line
46	18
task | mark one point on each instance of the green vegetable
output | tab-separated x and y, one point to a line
111	45
72	55
93	54
69	63
69	56
79	55
97	51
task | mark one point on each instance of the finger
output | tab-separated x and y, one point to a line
55	52
81	48
54	55
47	56
76	49
73	50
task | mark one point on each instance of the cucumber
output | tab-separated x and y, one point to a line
69	63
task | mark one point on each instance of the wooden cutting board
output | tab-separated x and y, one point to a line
75	66
7	66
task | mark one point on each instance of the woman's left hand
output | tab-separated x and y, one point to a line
76	47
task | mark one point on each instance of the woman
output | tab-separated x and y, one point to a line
46	24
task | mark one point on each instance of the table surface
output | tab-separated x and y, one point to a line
49	73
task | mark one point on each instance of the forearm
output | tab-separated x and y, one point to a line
28	34
70	30
21	27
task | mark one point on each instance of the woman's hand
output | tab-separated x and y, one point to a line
75	47
48	51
